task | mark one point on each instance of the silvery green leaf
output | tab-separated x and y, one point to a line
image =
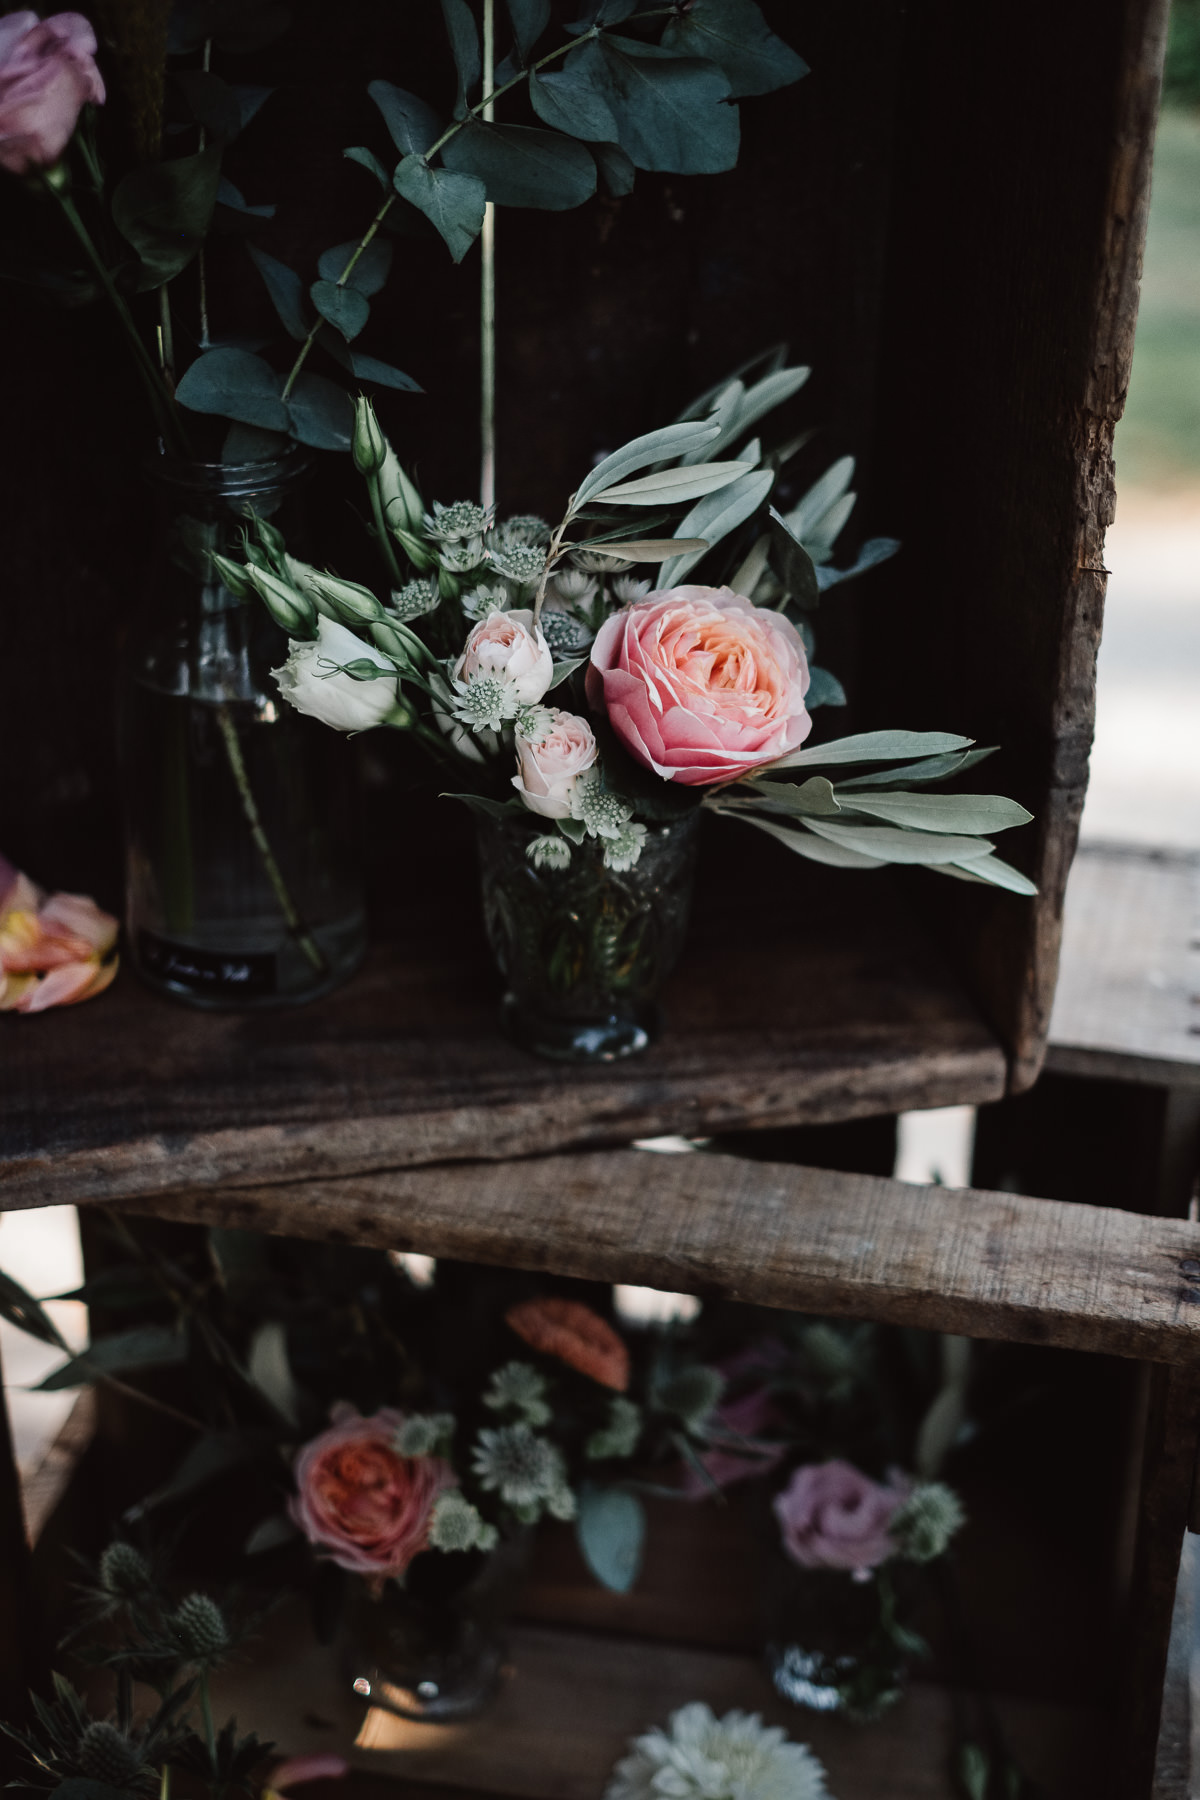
793	564
611	1529
656	446
670	486
972	813
286	290
344	307
571	105
616	168
320	413
413	125
749	573
824	689
672	113
367	158
991	870
565	668
875	550
931	768
529	19
814	848
369	272
815	796
454	203
874	746
893	845
271	1372
766	360
820	541
752	404
235	385
715	516
522	166
734	35
651	549
464	44
808	513
723	414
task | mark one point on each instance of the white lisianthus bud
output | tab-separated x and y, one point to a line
349	603
551	768
233	575
310	680
286	605
368	446
508	647
403	507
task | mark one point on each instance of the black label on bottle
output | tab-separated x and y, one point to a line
226	973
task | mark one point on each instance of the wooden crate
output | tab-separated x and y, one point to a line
945	218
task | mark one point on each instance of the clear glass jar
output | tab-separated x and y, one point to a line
585	949
243	879
838	1644
433	1647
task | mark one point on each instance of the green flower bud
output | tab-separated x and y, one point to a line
345	601
403	507
272	541
369	447
414	549
233	575
288	607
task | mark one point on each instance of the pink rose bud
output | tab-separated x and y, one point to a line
700	685
832	1516
508	647
47	74
550	768
362	1502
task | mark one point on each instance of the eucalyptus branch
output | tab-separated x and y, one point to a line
481	109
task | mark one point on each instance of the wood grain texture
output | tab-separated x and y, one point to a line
44	1485
572	1702
1173	1756
834	1004
983	1264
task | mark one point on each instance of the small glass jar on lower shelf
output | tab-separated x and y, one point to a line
837	1643
433	1647
585	949
242	855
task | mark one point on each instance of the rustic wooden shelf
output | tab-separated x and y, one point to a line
821	998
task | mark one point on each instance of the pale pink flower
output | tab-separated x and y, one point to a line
701	685
508	647
53	952
550	767
832	1516
47	74
362	1502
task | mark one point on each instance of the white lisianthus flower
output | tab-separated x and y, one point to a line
701	1757
309	680
550	767
508	647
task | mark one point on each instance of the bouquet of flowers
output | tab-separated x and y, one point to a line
587	716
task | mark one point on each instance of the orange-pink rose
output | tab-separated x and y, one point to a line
53	951
700	684
362	1502
47	74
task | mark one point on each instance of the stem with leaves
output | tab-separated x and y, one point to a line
487	322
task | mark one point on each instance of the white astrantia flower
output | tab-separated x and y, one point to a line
487	598
522	528
519	1387
620	1436
701	1757
927	1521
604	813
461	559
522	563
425	1434
575	587
622	853
626	590
456	524
454	1524
549	853
309	680
526	1471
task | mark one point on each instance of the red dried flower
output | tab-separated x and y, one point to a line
576	1335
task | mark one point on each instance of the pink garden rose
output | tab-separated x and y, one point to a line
361	1501
832	1516
508	647
701	685
47	74
53	951
549	769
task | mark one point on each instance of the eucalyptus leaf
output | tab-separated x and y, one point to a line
734	35
806	515
611	1529
650	549
529	19
271	1372
893	845
464	45
656	446
751	404
164	209
671	112
221	108
874	746
766	361
670	486
413	125
344	307
495	809
572	105
320	413
454	203
27	1314
819	542
824	689
145	1346
616	169
814	848
235	200
286	290
715	516
994	871
793	563
360	154
971	813
930	768
370	270
249	443
875	550
522	166
235	385
369	368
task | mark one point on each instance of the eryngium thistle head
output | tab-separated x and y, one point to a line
458	523
689	1393
124	1572
522	528
927	1521
563	633
106	1754
199	1624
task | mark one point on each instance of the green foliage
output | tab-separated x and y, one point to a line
164	210
452	202
145	1346
1181	76
221	108
413	125
734	35
611	1530
669	111
520	166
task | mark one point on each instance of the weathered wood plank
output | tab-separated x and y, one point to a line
984	1264
573	1702
853	1015
45	1484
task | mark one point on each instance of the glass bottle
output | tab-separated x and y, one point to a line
243	880
585	949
